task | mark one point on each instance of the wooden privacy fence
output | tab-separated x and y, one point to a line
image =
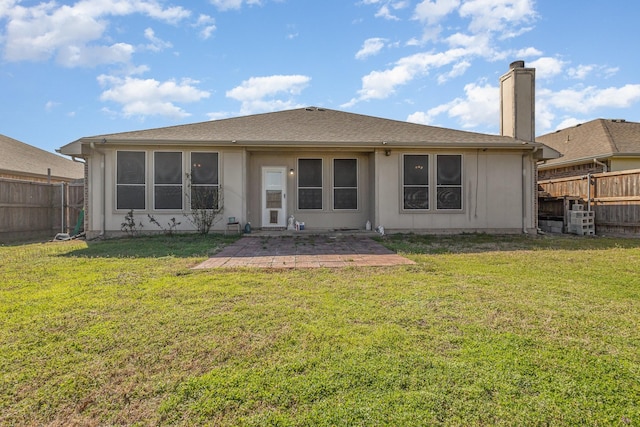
36	210
613	196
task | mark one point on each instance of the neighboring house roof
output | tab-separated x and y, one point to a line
597	139
21	159
304	126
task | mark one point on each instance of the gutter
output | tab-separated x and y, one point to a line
599	163
372	145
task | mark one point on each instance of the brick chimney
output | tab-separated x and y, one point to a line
517	102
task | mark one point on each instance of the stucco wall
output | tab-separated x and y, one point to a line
623	164
493	185
492	195
231	175
325	218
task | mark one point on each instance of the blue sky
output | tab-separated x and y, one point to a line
70	69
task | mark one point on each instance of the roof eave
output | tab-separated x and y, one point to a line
586	159
572	162
74	148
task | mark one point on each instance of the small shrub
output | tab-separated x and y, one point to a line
171	225
207	206
129	225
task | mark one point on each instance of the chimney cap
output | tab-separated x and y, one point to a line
516	64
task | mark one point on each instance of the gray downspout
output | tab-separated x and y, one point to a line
524	194
589	192
524	190
62	213
604	165
103	218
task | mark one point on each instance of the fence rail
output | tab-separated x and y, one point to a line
37	210
613	196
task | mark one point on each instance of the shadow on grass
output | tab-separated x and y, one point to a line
178	245
195	245
480	242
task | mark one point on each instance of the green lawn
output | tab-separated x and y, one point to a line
481	331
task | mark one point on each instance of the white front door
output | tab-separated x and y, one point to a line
274	197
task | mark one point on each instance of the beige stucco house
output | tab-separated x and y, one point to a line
601	145
330	169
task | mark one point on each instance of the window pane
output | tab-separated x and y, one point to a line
310	198
204	197
130	197
416	197
274	199
345	173
168	197
449	198
416	170
310	173
168	168
450	170
204	168
345	198
131	168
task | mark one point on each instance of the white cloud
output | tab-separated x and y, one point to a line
73	34
233	4
149	97
258	94
50	105
588	99
156	44
476	44
458	69
219	115
497	15
90	56
207	25
581	71
479	107
568	122
385	8
371	47
580	101
385	13
547	67
382	84
419	117
433	11
488	19
528	52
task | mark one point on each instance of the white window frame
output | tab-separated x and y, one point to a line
334	187
143	185
427	185
321	188
439	186
192	184
180	185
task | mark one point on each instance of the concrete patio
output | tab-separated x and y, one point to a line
306	251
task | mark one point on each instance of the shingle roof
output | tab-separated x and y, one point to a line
305	126
23	159
595	139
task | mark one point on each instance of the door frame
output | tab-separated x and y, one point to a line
264	211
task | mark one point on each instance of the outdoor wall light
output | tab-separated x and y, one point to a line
291	172
387	152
